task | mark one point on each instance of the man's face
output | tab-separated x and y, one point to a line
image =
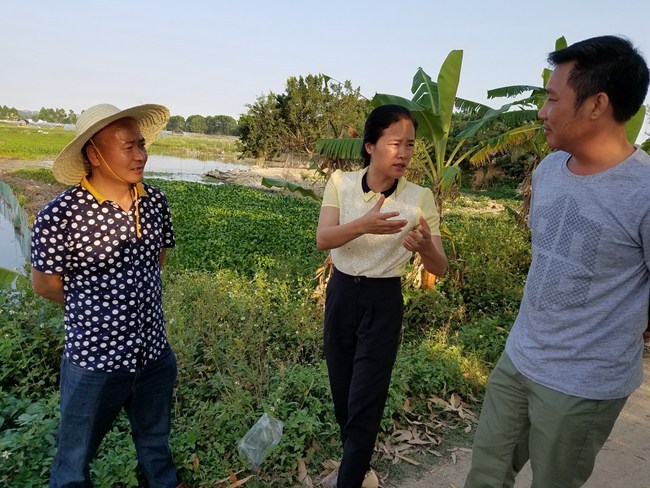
564	125
122	146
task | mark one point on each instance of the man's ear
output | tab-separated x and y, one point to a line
600	105
369	147
91	154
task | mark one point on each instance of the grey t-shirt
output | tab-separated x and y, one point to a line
585	306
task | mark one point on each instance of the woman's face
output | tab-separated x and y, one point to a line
392	152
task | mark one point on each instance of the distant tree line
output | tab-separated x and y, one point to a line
311	108
56	116
212	124
7	113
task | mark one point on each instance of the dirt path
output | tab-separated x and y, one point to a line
624	461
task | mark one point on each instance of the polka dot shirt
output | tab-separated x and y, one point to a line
111	278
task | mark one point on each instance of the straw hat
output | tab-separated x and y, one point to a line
69	164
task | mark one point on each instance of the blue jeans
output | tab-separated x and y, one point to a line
90	403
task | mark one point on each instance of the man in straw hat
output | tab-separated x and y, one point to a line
98	248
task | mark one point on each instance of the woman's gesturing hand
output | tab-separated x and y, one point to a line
377	222
419	240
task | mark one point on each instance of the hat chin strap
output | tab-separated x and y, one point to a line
132	189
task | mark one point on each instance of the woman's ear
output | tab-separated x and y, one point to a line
369	147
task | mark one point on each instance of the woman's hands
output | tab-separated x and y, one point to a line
331	234
419	240
376	222
429	247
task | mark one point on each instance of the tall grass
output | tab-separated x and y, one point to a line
32	142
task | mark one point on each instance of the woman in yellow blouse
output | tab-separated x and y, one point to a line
372	221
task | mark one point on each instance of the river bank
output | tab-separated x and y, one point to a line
37	193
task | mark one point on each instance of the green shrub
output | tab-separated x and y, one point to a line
486	337
495	255
27	438
31	343
243	229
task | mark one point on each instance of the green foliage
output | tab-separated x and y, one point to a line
27	438
248	338
239	228
292	187
485	338
254	346
212	124
646	146
261	128
29	142
7	113
56	115
222	124
196	124
7	278
38	174
199	146
494	256
31	342
312	108
433	106
176	123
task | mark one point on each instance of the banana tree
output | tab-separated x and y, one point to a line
434	104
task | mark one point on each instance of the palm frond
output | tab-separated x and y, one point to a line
425	91
512	91
472	108
514	118
346	148
287	185
502	142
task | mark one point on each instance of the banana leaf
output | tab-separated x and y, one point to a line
7	278
348	148
292	187
634	125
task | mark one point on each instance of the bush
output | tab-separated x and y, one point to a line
248	338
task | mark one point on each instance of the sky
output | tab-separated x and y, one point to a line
215	57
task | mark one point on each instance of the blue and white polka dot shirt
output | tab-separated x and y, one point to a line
111	278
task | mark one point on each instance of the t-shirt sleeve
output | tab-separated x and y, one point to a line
168	237
331	194
49	234
429	211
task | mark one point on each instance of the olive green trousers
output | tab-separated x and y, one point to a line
521	420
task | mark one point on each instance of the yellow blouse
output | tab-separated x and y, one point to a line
373	255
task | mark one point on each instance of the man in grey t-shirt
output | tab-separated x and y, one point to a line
574	354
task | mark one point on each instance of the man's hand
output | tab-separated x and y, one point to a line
376	222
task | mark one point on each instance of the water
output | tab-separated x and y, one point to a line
186	169
14	233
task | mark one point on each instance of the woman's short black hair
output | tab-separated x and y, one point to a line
378	121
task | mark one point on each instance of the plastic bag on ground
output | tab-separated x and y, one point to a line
260	439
